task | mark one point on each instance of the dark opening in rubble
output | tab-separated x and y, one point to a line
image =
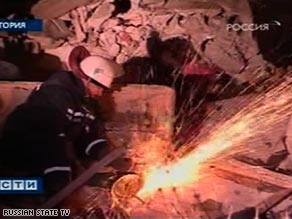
121	6
163	61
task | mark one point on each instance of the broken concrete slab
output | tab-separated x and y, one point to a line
11	95
108	40
79	29
251	176
49	9
103	12
263	146
137	109
241	9
259	147
56	29
151	3
178	5
46	42
191	5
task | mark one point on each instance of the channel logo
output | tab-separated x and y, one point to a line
252	26
21	25
21	185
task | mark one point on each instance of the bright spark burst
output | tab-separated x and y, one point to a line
257	117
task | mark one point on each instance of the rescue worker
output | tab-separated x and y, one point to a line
55	126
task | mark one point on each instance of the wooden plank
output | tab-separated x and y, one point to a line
251	176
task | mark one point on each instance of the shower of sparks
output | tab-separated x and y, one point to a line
259	116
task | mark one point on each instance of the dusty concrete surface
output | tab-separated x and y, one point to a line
13	94
132	113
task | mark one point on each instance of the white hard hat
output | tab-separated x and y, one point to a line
100	69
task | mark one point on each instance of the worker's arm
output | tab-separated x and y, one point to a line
56	167
93	142
56	164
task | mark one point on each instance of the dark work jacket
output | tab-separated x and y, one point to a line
37	135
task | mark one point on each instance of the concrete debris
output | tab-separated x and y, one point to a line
54	34
100	51
61	52
267	149
56	29
122	58
129	41
232	48
108	40
174	28
45	42
241	9
124	35
105	10
151	3
135	18
77	20
190	5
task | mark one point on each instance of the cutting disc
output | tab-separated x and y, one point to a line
126	187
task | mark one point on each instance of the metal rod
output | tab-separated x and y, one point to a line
83	178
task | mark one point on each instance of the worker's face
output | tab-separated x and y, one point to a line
95	90
92	89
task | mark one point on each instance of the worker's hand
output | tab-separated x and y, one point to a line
122	164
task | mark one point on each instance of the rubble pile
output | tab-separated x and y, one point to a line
124	35
119	30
